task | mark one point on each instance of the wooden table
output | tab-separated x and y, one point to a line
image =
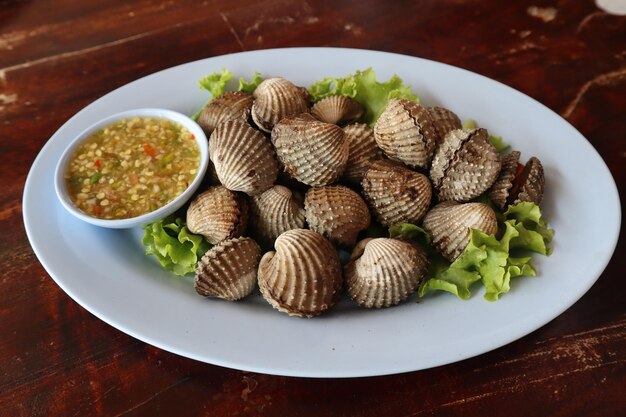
58	56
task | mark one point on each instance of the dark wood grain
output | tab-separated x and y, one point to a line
58	56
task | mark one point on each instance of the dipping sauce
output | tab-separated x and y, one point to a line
132	167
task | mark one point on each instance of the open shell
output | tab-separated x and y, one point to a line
384	272
276	98
303	276
274	212
337	110
395	193
363	151
499	192
313	152
449	225
232	105
465	165
444	121
217	214
243	157
229	269
405	133
336	212
531	183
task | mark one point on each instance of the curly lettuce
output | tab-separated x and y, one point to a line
176	249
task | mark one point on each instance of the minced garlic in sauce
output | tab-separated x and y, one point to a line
132	167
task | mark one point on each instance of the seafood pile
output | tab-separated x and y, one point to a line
292	182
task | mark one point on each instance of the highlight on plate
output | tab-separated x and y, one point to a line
419	201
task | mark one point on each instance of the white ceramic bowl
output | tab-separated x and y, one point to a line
172	206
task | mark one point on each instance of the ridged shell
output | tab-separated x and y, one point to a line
276	98
217	214
444	121
232	105
499	192
531	183
363	151
243	157
228	270
337	213
465	165
449	225
313	152
395	193
384	272
274	212
303	276
337	110
405	133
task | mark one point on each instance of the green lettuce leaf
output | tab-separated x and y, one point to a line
250	86
215	83
363	87
177	249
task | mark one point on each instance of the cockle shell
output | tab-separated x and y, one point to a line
405	132
500	189
229	269
395	193
337	110
276	98
303	276
217	214
465	165
337	213
243	157
531	183
363	151
384	272
313	152
449	225
274	212
232	105
444	121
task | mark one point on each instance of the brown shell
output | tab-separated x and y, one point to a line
405	133
228	270
395	193
217	214
465	165
384	272
337	110
499	192
532	183
274	212
243	157
337	213
232	105
449	225
444	121
313	152
363	151
276	98
303	276
212	174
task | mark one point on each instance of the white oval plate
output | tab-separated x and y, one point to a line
107	272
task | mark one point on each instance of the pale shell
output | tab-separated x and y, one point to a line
274	212
229	269
465	165
449	225
363	151
337	110
395	193
337	213
499	192
243	157
276	98
313	152
405	132
384	272
303	276
217	214
232	105
444	121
